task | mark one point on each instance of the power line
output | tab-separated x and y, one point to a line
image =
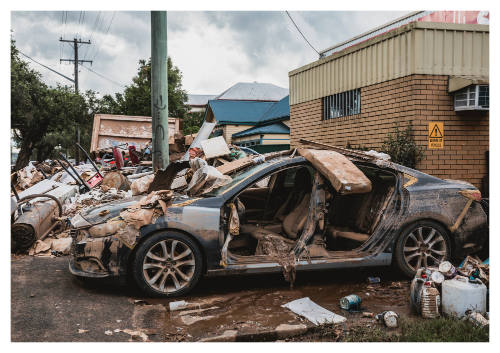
104	77
94	27
48	68
107	30
302	34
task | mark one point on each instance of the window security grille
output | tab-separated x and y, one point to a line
475	97
342	104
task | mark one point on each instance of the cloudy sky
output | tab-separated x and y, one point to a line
214	50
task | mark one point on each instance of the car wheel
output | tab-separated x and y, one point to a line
167	264
422	244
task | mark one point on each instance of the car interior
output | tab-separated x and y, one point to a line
276	208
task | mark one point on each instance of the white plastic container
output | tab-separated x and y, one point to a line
459	295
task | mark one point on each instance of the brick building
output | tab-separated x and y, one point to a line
416	72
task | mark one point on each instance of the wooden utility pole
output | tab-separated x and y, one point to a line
76	62
159	89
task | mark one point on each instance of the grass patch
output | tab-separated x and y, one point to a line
436	330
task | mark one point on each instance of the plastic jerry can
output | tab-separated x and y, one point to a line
430	302
459	294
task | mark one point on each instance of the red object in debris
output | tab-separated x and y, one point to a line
424	276
118	158
133	157
94	180
195	152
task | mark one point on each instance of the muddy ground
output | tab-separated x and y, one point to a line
49	304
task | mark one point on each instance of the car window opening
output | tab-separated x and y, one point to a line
273	211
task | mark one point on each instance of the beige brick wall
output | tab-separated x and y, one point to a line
416	98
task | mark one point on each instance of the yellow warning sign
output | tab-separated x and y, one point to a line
436	135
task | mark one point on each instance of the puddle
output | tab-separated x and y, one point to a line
253	304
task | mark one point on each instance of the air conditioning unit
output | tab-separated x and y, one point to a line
474	97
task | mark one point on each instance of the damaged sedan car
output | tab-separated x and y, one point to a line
304	209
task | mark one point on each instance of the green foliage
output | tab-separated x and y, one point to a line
358	148
136	99
192	123
402	148
435	330
44	117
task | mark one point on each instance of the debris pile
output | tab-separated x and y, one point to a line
459	292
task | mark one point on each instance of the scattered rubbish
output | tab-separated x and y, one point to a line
108	332
430	301
461	294
178	305
115	180
350	302
368	314
379	155
26	177
205	178
82	330
344	176
476	318
118	321
388	318
373	280
215	147
62	245
313	312
134	334
447	269
141	185
189	319
437	277
474	268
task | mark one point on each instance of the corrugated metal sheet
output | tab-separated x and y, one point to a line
116	129
416	48
276	128
255	91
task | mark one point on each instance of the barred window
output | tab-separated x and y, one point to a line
474	97
342	104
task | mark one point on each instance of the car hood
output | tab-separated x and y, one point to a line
102	213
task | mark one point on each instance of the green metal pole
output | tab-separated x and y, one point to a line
159	89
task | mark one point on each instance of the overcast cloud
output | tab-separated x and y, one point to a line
214	50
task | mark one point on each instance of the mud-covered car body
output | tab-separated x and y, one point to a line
414	197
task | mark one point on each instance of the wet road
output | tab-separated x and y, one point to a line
49	304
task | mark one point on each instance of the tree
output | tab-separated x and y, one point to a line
402	148
44	117
192	122
29	118
136	99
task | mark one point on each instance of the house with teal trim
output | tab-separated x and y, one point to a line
260	122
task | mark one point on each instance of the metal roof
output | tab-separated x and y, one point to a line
238	112
254	91
278	110
199	99
249	112
276	128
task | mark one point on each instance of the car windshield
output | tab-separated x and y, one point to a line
238	177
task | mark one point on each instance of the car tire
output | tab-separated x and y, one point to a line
421	244
160	271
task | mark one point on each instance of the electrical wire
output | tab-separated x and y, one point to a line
104	77
107	30
94	27
302	34
47	67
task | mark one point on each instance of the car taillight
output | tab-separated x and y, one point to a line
471	194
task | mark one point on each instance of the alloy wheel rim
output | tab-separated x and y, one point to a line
169	265
424	246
